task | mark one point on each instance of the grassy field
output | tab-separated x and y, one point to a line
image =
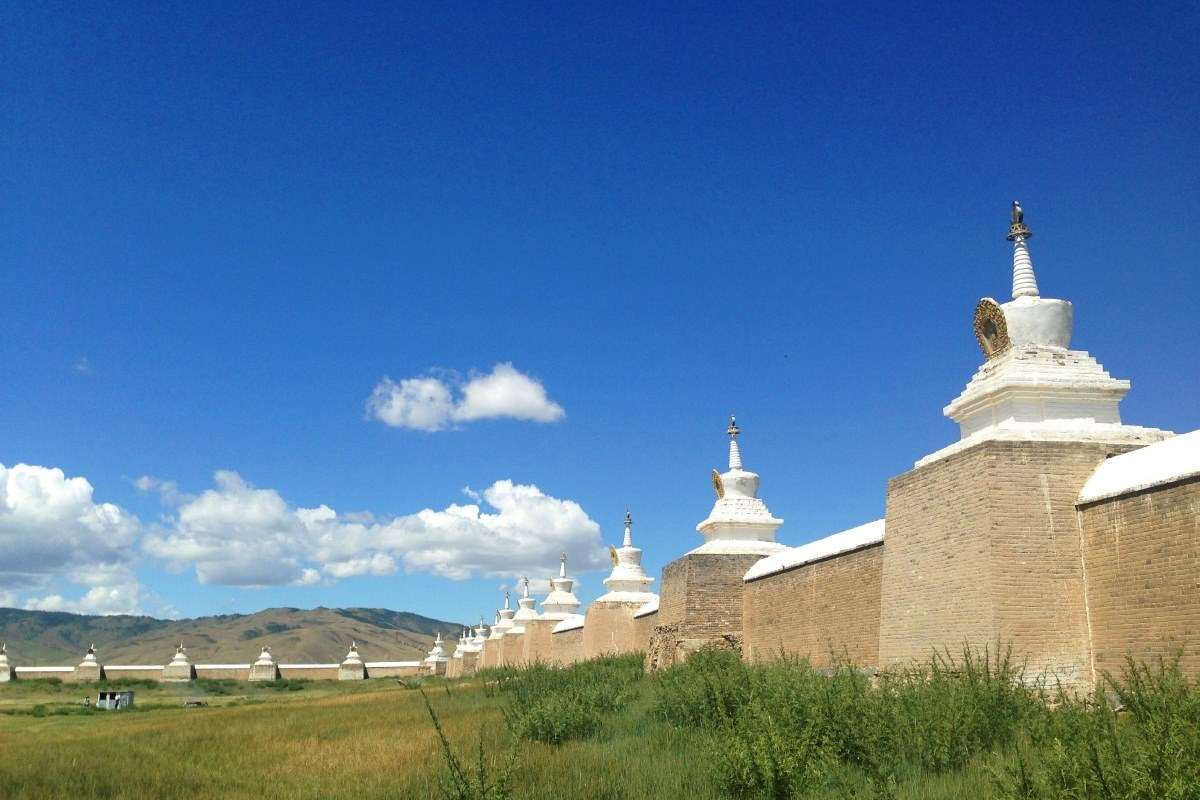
601	731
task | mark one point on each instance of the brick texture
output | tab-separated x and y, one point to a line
1142	560
567	647
609	628
983	546
820	611
537	644
700	602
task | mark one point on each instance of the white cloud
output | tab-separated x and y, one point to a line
122	599
50	525
429	403
8	599
167	490
240	535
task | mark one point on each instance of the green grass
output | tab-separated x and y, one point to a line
958	727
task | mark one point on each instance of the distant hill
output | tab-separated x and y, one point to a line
319	635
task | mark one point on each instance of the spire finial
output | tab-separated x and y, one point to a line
562	565
735	455
524	586
3	647
438	640
506	603
92	648
628	528
180	648
1024	282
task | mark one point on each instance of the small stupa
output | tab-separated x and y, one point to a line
179	669
505	622
437	659
739	522
1032	386
610	626
628	581
481	636
561	603
90	668
264	667
352	667
6	671
525	610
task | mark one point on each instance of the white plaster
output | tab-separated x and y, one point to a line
1173	459
44	669
836	544
299	666
649	608
561	602
1042	393
222	666
385	664
133	667
571	623
739	522
628	580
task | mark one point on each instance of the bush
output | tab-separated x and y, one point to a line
1146	747
552	705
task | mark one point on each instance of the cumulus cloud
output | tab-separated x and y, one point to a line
168	491
239	535
52	528
50	525
432	404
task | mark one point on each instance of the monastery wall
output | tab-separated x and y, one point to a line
566	647
537	646
820	611
610	628
983	546
311	672
116	672
1142	558
644	626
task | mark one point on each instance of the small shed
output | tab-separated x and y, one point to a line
114	701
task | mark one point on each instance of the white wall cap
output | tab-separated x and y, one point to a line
383	664
44	669
843	542
626	597
1170	460
132	666
738	547
649	608
222	666
569	624
303	666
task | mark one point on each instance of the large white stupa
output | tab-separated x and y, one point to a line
561	603
739	523
628	581
525	609
1032	386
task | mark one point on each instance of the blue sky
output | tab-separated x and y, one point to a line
224	227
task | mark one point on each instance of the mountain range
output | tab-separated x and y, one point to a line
319	635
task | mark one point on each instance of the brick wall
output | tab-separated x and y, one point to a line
983	546
610	629
567	647
537	641
817	611
1142	560
700	605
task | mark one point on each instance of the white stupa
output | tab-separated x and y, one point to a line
179	668
739	522
264	667
1032	386
628	581
561	603
352	667
6	671
525	609
481	636
464	640
89	659
438	653
496	632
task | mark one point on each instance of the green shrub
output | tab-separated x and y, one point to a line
487	779
555	705
1147	747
